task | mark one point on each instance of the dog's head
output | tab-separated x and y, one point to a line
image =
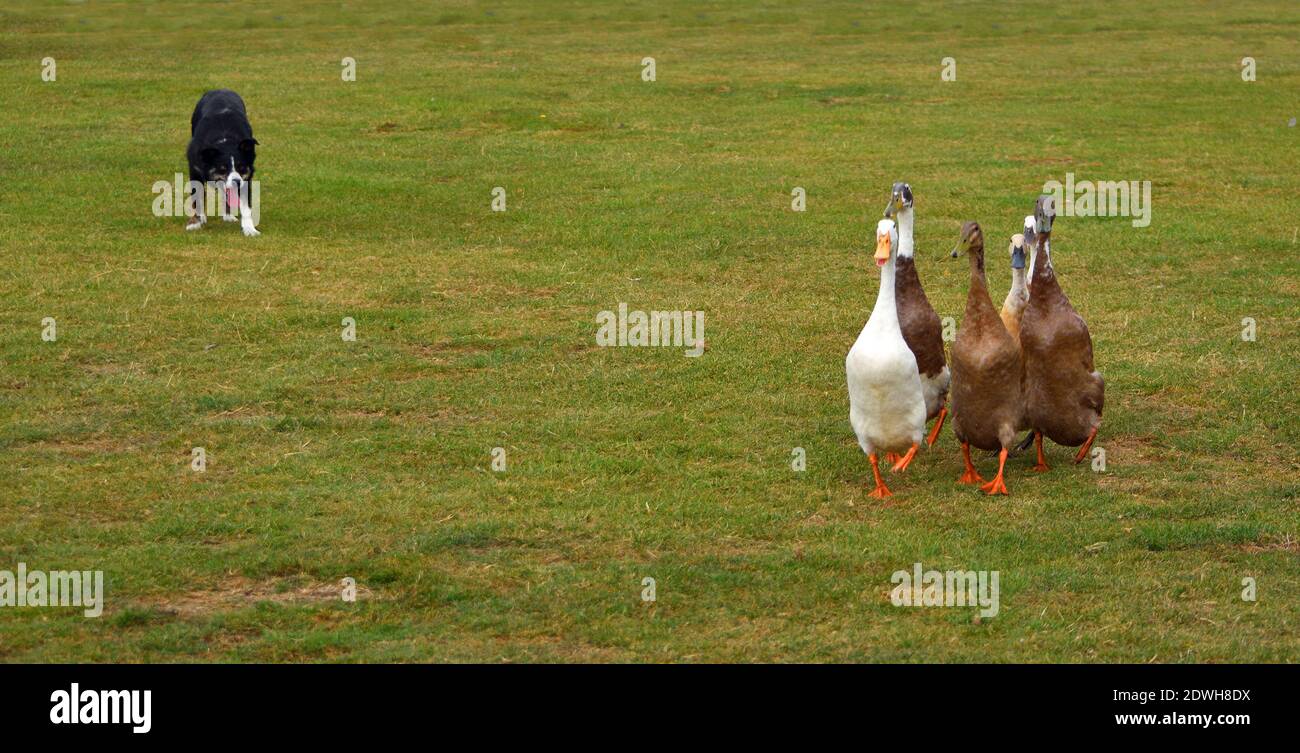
228	159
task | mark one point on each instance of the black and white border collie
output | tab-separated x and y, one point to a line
222	150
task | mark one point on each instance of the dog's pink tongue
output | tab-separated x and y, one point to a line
232	198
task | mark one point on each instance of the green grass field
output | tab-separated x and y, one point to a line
476	329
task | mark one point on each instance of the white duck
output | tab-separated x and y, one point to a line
886	401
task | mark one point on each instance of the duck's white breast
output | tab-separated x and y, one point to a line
886	400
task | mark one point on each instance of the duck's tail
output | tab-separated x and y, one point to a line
1025	443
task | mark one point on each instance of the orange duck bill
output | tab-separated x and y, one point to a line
882	249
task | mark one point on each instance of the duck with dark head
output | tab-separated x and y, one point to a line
1064	393
920	324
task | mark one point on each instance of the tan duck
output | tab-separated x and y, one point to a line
1064	393
987	408
920	324
1013	308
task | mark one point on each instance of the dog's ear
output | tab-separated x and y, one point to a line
247	145
210	154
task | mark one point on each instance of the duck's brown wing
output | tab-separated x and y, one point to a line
1064	393
916	317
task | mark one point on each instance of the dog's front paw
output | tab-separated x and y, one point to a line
194	225
251	231
230	218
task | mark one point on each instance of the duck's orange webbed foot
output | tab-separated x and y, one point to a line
971	476
881	491
905	461
1042	460
892	457
938	426
997	485
1083	451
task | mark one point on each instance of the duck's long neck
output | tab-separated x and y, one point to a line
906	217
1044	250
979	287
979	308
886	304
1019	293
1042	277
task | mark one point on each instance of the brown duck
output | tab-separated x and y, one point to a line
921	326
1064	393
986	399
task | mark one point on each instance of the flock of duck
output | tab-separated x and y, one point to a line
1028	366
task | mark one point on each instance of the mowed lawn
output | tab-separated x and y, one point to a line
476	329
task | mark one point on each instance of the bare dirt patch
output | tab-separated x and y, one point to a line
239	593
1287	543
